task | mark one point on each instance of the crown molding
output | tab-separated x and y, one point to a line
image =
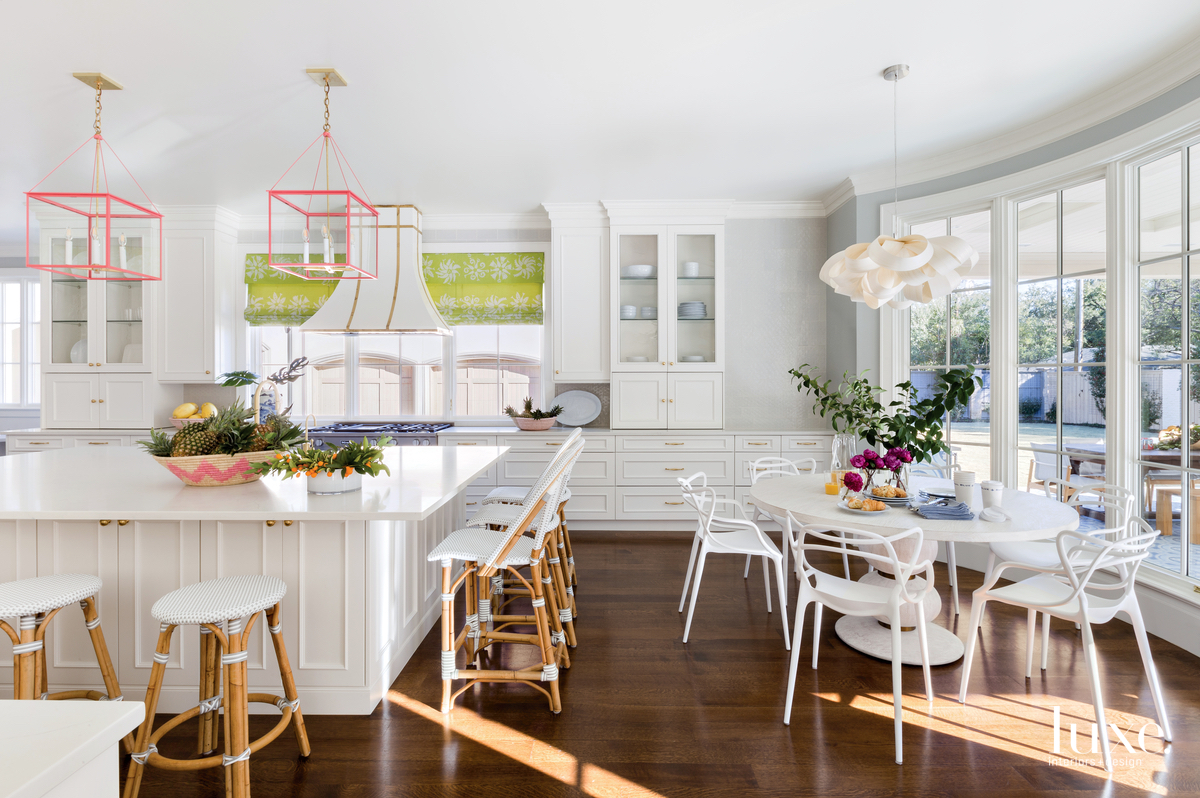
667	211
186	216
1147	84
788	209
576	214
842	193
534	220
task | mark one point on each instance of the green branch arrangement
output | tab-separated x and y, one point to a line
853	407
356	457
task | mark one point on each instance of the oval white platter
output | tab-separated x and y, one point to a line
579	408
845	507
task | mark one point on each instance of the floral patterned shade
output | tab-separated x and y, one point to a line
277	299
486	287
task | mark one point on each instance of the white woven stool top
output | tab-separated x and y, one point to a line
512	494
476	545
45	593
219	599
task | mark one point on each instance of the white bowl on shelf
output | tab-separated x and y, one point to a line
690	269
649	313
692	359
637	359
638	270
629	311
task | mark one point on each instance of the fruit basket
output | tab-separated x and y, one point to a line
215	470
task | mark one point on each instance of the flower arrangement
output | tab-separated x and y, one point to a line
853	481
360	457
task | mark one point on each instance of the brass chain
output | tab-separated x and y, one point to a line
326	103
96	124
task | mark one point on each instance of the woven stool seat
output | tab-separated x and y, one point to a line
477	545
514	494
219	600
46	593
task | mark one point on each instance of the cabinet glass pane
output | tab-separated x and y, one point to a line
638	311
68	320
1159	201
696	293
123	321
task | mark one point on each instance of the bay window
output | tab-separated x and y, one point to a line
20	342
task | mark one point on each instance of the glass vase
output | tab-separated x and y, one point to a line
844	444
900	478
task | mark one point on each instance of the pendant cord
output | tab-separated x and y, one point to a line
895	158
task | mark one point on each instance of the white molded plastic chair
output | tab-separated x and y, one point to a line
769	468
723	535
1070	592
943	466
856	598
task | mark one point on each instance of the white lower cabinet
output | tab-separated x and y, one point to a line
591	504
658	469
82	401
664	503
638	401
79	547
674	400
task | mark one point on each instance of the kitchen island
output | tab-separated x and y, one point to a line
360	598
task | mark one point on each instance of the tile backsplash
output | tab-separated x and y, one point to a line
600	389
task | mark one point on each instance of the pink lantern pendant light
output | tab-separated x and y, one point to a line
93	222
320	222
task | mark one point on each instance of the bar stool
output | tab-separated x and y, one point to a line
35	602
209	604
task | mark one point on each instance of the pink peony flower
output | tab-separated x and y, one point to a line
858	461
852	481
904	455
870	454
892	463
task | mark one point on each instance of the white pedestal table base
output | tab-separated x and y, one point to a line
869	637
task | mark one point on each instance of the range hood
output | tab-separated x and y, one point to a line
397	301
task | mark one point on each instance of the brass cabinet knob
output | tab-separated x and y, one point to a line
91	364
270	523
93	401
664	401
105	523
101	401
287	523
672	401
206	371
672	363
123	523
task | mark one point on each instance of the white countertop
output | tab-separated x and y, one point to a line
43	743
560	431
99	483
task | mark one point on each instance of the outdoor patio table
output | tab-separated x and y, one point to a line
1032	516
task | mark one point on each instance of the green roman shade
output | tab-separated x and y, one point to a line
278	299
486	287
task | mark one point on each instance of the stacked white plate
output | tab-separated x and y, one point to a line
629	311
649	312
692	310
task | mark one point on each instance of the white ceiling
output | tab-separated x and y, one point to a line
486	107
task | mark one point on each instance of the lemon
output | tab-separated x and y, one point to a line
185	410
196	416
208	410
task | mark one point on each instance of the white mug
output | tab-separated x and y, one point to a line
993	493
964	486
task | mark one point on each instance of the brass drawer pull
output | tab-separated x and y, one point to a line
758	443
97	443
805	443
672	469
39	443
674	444
465	443
672	502
470	503
554	444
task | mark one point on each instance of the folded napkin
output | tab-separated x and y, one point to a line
952	512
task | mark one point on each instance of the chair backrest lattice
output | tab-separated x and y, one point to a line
770	467
877	550
1047	464
1085	555
1098	495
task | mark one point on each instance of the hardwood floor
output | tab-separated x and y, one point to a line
645	715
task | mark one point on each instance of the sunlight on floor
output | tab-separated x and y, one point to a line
543	757
1010	723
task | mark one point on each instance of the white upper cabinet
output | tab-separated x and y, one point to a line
668	297
578	292
199	276
96	325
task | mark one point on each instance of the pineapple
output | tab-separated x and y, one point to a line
159	445
203	441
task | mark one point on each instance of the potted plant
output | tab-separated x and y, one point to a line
332	469
906	423
531	419
221	449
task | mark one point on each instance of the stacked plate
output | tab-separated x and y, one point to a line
692	310
629	311
649	312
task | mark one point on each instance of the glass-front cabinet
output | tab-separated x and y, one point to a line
668	297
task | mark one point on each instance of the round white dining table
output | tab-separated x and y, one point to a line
1031	516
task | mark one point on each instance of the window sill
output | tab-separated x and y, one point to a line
1173	585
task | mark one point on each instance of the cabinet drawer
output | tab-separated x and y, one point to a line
473	498
675	443
658	503
746	467
591	504
102	440
33	443
655	469
764	444
810	445
524	468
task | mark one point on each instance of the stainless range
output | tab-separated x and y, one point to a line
402	434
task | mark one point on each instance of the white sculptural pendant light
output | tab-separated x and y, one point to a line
899	270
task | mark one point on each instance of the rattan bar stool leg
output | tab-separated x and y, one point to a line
289	682
549	659
564	599
112	688
25	659
540	572
566	539
142	747
472	621
237	744
210	688
448	665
